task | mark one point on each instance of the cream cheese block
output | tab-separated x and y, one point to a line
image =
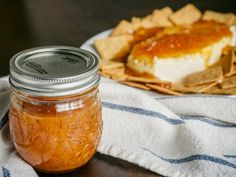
177	66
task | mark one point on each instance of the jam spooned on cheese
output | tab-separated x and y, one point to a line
182	40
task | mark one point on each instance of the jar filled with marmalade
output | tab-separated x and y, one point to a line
55	109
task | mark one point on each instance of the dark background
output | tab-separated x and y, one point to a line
31	23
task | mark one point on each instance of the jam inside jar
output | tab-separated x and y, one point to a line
57	134
55	129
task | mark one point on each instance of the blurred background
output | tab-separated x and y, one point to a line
30	23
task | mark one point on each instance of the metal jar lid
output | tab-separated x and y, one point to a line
54	71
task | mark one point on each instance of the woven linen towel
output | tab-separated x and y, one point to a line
192	136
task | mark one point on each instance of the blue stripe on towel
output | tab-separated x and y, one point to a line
167	119
3	121
195	157
230	156
142	112
6	172
215	123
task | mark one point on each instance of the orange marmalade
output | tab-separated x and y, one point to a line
56	135
55	118
176	41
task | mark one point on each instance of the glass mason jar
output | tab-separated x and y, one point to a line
55	109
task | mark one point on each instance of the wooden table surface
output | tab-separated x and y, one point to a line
31	23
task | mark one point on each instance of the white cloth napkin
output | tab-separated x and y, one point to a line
183	136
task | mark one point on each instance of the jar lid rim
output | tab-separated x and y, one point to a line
54	71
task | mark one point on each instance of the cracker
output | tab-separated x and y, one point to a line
119	77
229	82
120	70
147	80
163	89
234	68
106	64
115	47
118	45
233	72
123	27
136	85
226	18
218	90
203	77
234	54
137	22
105	75
195	89
160	17
147	22
227	63
186	15
116	73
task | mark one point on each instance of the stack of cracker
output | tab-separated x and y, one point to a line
218	79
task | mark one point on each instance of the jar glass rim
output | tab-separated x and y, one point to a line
60	99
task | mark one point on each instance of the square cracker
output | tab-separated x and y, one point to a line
229	82
163	89
218	90
186	15
136	85
160	17
227	63
147	80
137	22
115	73
195	89
233	72
107	64
226	18
209	75
123	27
105	75
234	54
114	47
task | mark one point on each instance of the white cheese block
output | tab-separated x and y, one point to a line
176	68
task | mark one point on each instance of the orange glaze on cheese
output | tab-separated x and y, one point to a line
182	40
145	33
